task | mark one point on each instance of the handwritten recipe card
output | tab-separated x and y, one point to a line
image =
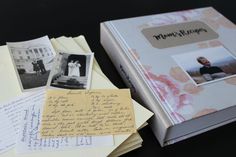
29	139
87	112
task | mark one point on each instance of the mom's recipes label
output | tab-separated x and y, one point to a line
179	34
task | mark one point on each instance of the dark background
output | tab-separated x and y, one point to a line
29	19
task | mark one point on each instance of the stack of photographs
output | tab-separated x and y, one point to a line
37	65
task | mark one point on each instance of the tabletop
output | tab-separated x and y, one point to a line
28	19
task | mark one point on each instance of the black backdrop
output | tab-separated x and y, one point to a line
28	19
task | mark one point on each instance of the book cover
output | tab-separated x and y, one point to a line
181	64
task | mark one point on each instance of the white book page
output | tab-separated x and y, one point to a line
10	115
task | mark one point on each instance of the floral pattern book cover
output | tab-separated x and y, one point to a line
187	59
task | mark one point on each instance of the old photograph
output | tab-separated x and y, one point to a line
207	65
33	61
71	71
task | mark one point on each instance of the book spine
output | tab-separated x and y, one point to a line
160	122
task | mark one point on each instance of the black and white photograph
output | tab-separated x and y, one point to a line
207	65
33	61
71	71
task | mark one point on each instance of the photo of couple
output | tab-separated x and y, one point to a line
39	67
74	68
207	65
71	71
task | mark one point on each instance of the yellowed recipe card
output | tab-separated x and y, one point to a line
87	112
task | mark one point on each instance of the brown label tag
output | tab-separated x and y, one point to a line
179	34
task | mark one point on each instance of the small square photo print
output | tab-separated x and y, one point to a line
71	71
207	65
33	61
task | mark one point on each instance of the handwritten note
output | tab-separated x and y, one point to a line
11	115
87	112
29	138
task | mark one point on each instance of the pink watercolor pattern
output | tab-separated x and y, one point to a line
178	74
192	88
172	18
204	112
216	20
207	44
231	81
134	53
170	94
177	99
168	87
169	91
209	16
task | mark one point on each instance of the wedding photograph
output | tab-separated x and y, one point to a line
207	65
32	61
71	71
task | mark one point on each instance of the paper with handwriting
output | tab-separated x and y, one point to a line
87	112
10	115
29	139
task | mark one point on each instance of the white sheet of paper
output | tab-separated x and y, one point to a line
7	134
10	115
29	139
